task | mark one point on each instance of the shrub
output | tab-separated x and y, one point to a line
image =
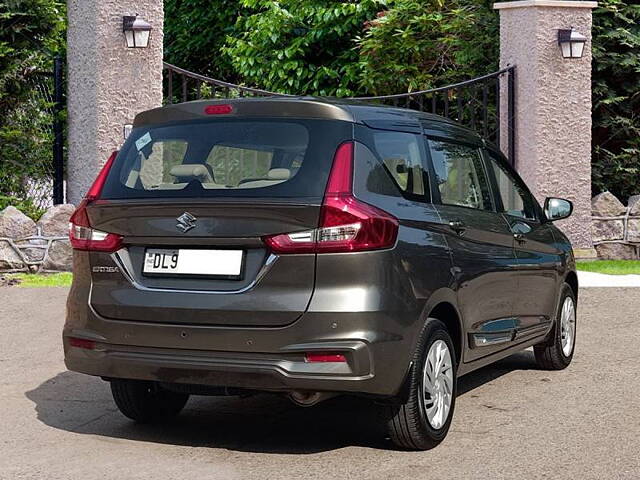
195	33
419	44
616	98
31	33
26	206
300	47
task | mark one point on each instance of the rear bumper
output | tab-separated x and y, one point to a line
282	371
258	359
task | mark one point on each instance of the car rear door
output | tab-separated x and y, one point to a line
192	202
539	259
480	241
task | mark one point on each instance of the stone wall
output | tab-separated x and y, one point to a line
27	246
615	228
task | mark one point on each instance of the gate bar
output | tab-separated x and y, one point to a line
58	131
511	114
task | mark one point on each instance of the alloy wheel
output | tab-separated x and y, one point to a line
568	326
437	382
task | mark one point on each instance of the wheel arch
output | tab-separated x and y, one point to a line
448	314
441	306
572	280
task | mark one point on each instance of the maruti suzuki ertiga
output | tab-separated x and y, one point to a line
313	248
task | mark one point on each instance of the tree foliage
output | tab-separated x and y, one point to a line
616	98
195	32
31	33
300	46
367	47
419	44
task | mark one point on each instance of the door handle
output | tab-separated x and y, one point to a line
520	238
457	226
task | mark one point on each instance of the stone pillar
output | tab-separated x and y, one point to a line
108	83
553	105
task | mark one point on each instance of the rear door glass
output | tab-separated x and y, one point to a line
270	157
460	176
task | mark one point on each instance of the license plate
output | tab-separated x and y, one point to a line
214	263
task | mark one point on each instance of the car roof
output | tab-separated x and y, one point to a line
293	107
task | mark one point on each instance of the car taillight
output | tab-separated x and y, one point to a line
81	234
346	223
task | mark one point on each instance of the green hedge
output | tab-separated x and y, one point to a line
616	98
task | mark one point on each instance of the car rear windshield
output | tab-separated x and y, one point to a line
227	158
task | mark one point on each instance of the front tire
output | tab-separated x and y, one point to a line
146	402
423	421
557	352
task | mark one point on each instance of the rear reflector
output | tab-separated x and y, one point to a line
324	357
346	223
218	109
82	343
81	234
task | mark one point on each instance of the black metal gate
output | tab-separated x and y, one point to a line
477	103
59	112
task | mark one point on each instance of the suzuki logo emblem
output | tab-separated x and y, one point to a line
186	222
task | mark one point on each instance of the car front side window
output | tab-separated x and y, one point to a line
516	200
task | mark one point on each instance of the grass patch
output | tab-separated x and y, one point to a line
611	267
31	280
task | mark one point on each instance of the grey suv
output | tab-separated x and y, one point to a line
313	248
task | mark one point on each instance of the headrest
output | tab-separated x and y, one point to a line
191	171
279	174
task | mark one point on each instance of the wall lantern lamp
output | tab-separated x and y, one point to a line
571	43
136	32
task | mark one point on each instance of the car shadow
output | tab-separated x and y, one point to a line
523	360
262	423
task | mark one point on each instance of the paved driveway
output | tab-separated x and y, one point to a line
512	421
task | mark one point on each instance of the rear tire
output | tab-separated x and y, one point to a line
417	424
146	402
557	352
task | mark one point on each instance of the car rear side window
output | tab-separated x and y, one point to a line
245	158
402	157
460	176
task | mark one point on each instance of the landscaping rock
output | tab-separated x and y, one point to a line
15	224
60	257
606	204
9	258
633	230
602	230
634	205
55	221
616	251
33	254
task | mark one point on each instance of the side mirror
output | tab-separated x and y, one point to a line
557	208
